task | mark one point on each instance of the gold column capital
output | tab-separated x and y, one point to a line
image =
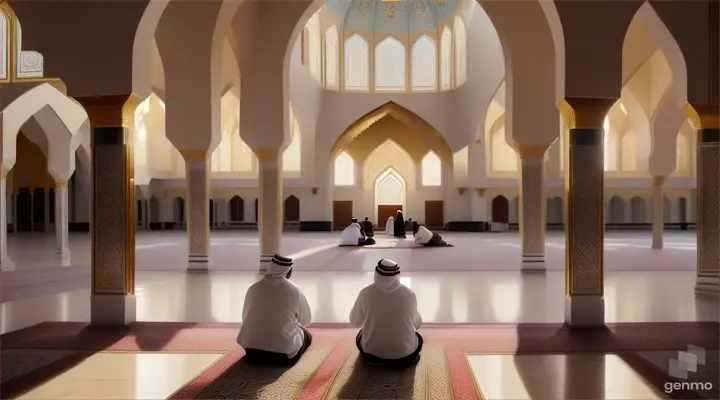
703	116
480	192
267	154
3	175
658	181
61	184
585	112
194	155
112	110
531	150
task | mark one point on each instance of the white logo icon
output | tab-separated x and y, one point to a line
686	361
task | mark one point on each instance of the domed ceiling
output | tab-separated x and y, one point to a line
393	16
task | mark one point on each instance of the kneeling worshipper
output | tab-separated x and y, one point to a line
427	238
275	314
390	226
354	236
399	225
386	313
367	227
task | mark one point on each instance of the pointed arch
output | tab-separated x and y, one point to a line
390	65
292	161
357	63
460	51
389	188
4	45
332	58
424	64
237	209
314	51
500	207
503	157
344	169
431	170
445	59
629	152
291	208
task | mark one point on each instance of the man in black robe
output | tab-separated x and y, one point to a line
400	225
367	227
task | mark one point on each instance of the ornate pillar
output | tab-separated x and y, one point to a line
112	219
658	207
6	264
197	216
61	219
532	207
584	223
707	120
269	203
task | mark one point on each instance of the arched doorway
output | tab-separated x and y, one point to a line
292	209
389	195
212	213
256	210
237	209
179	210
500	210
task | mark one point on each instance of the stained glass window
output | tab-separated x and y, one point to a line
460	52
424	64
390	65
344	170
431	170
331	58
356	63
445	59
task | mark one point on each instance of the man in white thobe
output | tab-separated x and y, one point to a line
354	236
427	238
386	313
275	314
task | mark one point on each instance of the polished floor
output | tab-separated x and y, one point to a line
475	282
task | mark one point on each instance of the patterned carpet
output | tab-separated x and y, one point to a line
331	369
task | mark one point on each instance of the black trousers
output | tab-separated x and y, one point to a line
404	362
368	241
264	357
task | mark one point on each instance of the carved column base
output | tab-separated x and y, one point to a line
707	286
198	263
533	264
585	311
112	309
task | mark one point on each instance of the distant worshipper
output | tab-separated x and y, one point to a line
367	228
274	316
386	313
353	235
429	239
390	227
414	228
399	225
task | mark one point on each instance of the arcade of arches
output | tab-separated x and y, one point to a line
446	110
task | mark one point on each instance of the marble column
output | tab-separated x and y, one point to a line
707	120
532	207
197	206
269	203
658	209
47	210
6	264
112	222
584	225
61	219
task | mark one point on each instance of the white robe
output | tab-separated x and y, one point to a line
423	235
273	312
386	311
390	227
351	235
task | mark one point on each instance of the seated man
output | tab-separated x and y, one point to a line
274	315
354	236
386	313
367	228
427	238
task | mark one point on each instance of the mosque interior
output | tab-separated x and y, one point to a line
157	154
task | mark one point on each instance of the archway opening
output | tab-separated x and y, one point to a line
390	195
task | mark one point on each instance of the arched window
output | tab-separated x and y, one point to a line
390	65
292	154
504	158
344	170
221	159
683	154
460	52
314	53
244	159
629	152
331	58
356	63
431	170
4	45
424	64
610	147
141	133
445	59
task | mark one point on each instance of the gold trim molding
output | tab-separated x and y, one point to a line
658	181
61	184
480	192
194	155
703	116
111	111
531	150
585	112
267	154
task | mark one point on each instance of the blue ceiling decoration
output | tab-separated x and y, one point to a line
393	17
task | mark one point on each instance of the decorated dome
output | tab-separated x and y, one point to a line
388	45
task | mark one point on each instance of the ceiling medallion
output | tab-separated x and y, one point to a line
390	11
441	2
363	7
418	8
